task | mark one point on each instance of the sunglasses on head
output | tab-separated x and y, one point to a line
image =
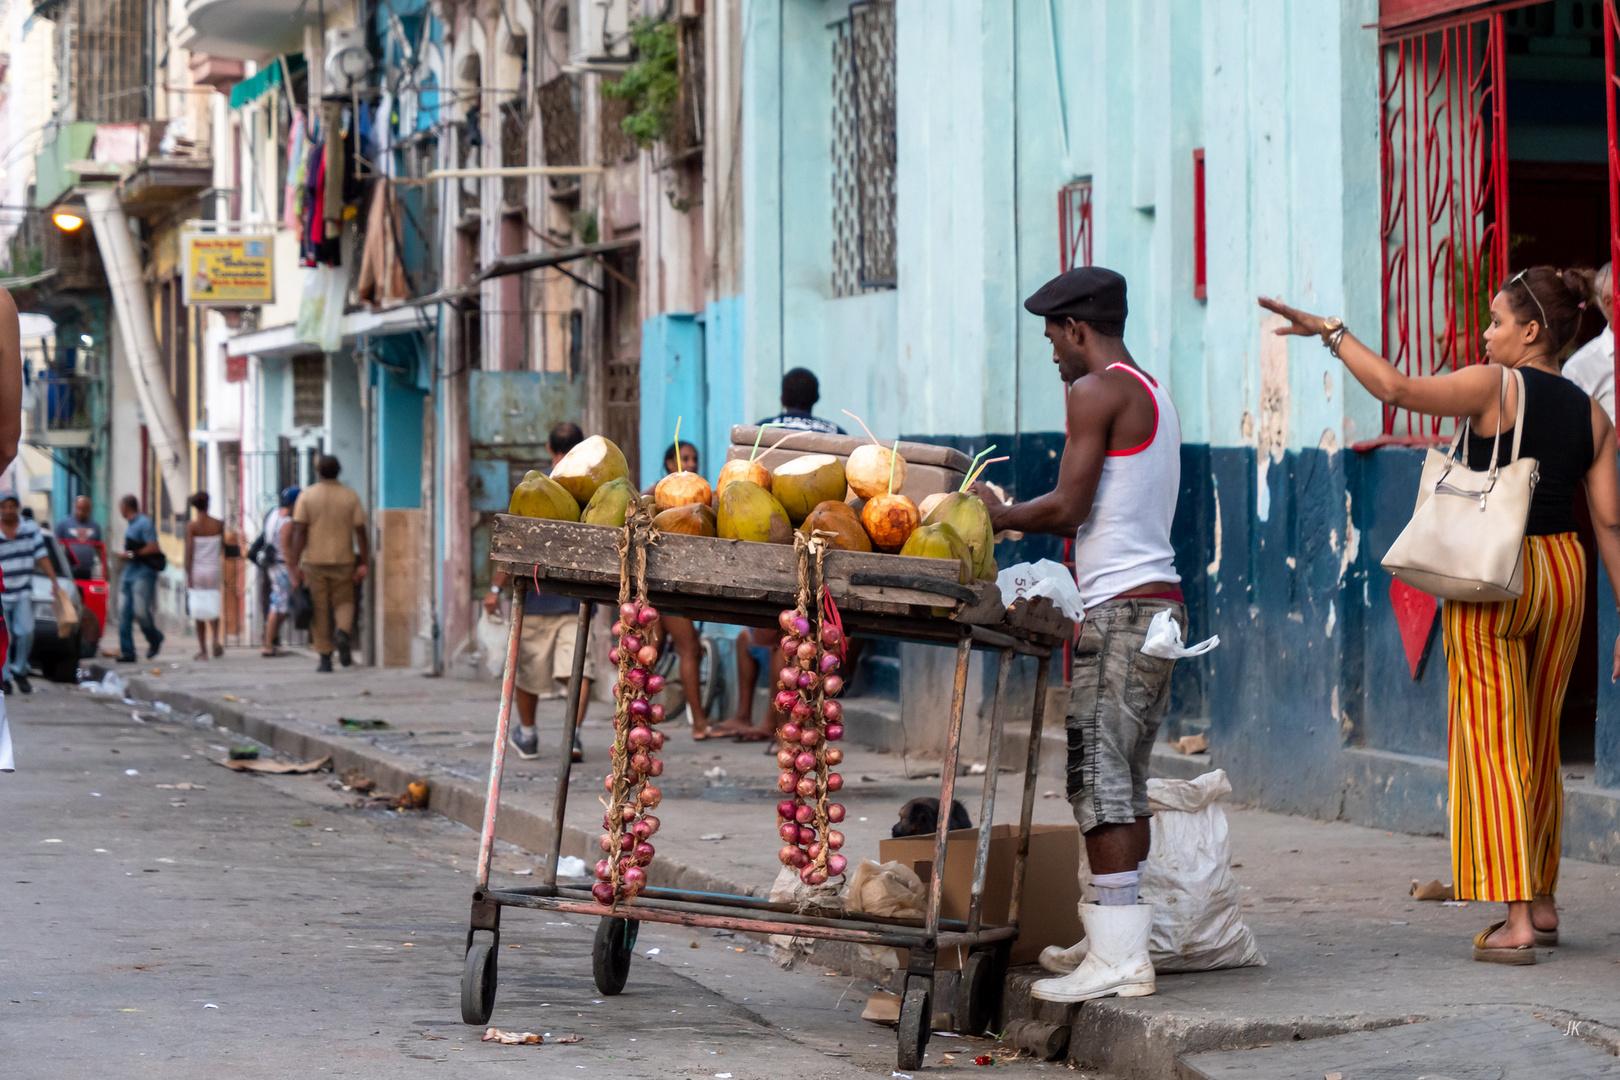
1518	279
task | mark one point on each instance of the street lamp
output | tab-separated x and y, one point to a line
67	220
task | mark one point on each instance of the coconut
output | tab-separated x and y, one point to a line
743	469
889	520
926	507
868	470
681	489
840	520
803	483
749	512
539	496
588	466
970	518
611	504
693	519
940	541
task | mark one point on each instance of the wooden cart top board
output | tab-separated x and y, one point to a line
745	583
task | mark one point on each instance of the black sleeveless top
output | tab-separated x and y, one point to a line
1558	434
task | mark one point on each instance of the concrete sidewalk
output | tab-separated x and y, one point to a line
1348	951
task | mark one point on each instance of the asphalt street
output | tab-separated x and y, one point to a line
165	917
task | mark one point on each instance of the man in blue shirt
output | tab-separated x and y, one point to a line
23	553
800	392
137	586
77	528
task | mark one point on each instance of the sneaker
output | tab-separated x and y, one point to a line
6	688
153	647
527	742
325	664
24	685
579	750
128	658
345	657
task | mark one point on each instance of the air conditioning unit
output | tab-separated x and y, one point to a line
601	30
348	61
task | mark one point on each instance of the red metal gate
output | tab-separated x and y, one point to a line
1443	150
1611	30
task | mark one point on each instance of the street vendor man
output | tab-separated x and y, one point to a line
1116	495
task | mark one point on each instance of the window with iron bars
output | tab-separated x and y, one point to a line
863	150
1074	224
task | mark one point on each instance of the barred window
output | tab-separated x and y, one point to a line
863	149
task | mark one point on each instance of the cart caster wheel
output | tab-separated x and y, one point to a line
478	982
978	995
916	1019
611	952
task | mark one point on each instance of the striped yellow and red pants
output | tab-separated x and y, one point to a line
1510	664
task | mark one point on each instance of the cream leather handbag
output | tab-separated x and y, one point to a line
1467	531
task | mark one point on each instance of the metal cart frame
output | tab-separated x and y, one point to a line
988	946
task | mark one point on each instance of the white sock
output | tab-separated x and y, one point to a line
1117	890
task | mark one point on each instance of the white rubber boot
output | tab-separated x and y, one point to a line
1117	961
1062	961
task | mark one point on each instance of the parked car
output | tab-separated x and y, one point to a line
55	657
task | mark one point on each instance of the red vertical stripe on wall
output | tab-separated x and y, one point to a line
1200	265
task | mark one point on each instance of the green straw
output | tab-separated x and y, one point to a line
968	478
894	455
758	437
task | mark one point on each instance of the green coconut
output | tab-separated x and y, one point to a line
539	496
611	504
749	512
693	519
588	466
940	541
803	483
970	518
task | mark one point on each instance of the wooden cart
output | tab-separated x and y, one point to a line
750	584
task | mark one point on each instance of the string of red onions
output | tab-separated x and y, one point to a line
628	825
806	686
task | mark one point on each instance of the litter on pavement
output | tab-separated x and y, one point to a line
278	767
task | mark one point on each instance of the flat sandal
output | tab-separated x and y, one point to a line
1523	954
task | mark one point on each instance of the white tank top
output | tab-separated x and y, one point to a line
1125	540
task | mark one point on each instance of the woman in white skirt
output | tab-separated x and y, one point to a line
205	573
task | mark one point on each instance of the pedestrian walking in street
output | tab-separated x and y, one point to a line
11	387
329	549
550	636
1509	661
269	554
800	392
23	553
205	574
1591	367
137	584
1116	495
683	633
77	529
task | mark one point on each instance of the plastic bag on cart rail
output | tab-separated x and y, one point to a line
1045	578
1197	915
888	890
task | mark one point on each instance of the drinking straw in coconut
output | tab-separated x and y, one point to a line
894	455
967	478
869	434
760	435
981	468
680	465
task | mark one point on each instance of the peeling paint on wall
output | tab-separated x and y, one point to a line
1332	619
1213	570
1272	438
1329	442
1327	385
1352	543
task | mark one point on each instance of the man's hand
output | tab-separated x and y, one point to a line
296	573
492	603
993	502
126	555
359	572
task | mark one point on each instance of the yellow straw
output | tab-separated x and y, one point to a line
894	455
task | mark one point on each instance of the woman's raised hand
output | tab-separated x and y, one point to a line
1300	323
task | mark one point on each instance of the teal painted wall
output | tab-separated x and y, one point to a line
672	388
400	407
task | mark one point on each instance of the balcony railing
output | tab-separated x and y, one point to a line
63	411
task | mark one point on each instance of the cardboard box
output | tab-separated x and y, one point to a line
1049	910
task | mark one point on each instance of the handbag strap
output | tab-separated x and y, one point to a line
1501	404
1518	420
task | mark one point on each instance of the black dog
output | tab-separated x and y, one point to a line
920	817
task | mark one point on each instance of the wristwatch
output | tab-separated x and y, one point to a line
496	589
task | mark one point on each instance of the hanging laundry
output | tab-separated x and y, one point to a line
382	275
297	163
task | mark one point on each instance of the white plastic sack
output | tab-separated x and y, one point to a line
112	684
494	634
1164	639
889	890
1197	916
203	604
7	763
320	307
788	889
1045	578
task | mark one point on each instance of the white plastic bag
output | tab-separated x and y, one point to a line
493	633
889	890
320	307
7	763
1164	639
203	604
1197	916
1045	578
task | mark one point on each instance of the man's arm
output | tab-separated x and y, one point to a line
297	536
1091	406
363	543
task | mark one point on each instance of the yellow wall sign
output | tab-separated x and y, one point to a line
229	271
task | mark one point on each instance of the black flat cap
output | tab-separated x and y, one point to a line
1086	292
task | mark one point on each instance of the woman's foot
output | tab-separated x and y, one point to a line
1544	914
731	728
202	655
219	650
1507	936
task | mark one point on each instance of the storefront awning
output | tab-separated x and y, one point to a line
267	79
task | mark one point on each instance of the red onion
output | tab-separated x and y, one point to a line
807	835
790	646
800	858
835	732
813	850
786	783
835	812
830	635
789	732
642	830
808	680
806	650
650	796
832	711
607	781
785	620
613	656
605	842
639	736
804	762
658	737
648	655
829	663
647	615
785	759
788	855
786	699
834	756
603	891
809	737
655	684
640	707
626	841
604	869
618	628
629	610
812	877
655	713
806	786
835	684
656	769
628	814
641	762
607	821
788	677
801	710
635	878
644	853
834	781
785	808
836	864
636	677
631	643
652	824
835	839
801	625
804	815
789	832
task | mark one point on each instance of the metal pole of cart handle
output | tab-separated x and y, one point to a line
1032	766
503	727
987	805
947	781
565	757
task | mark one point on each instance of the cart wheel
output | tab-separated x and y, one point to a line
916	1018
610	954
977	994
478	982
